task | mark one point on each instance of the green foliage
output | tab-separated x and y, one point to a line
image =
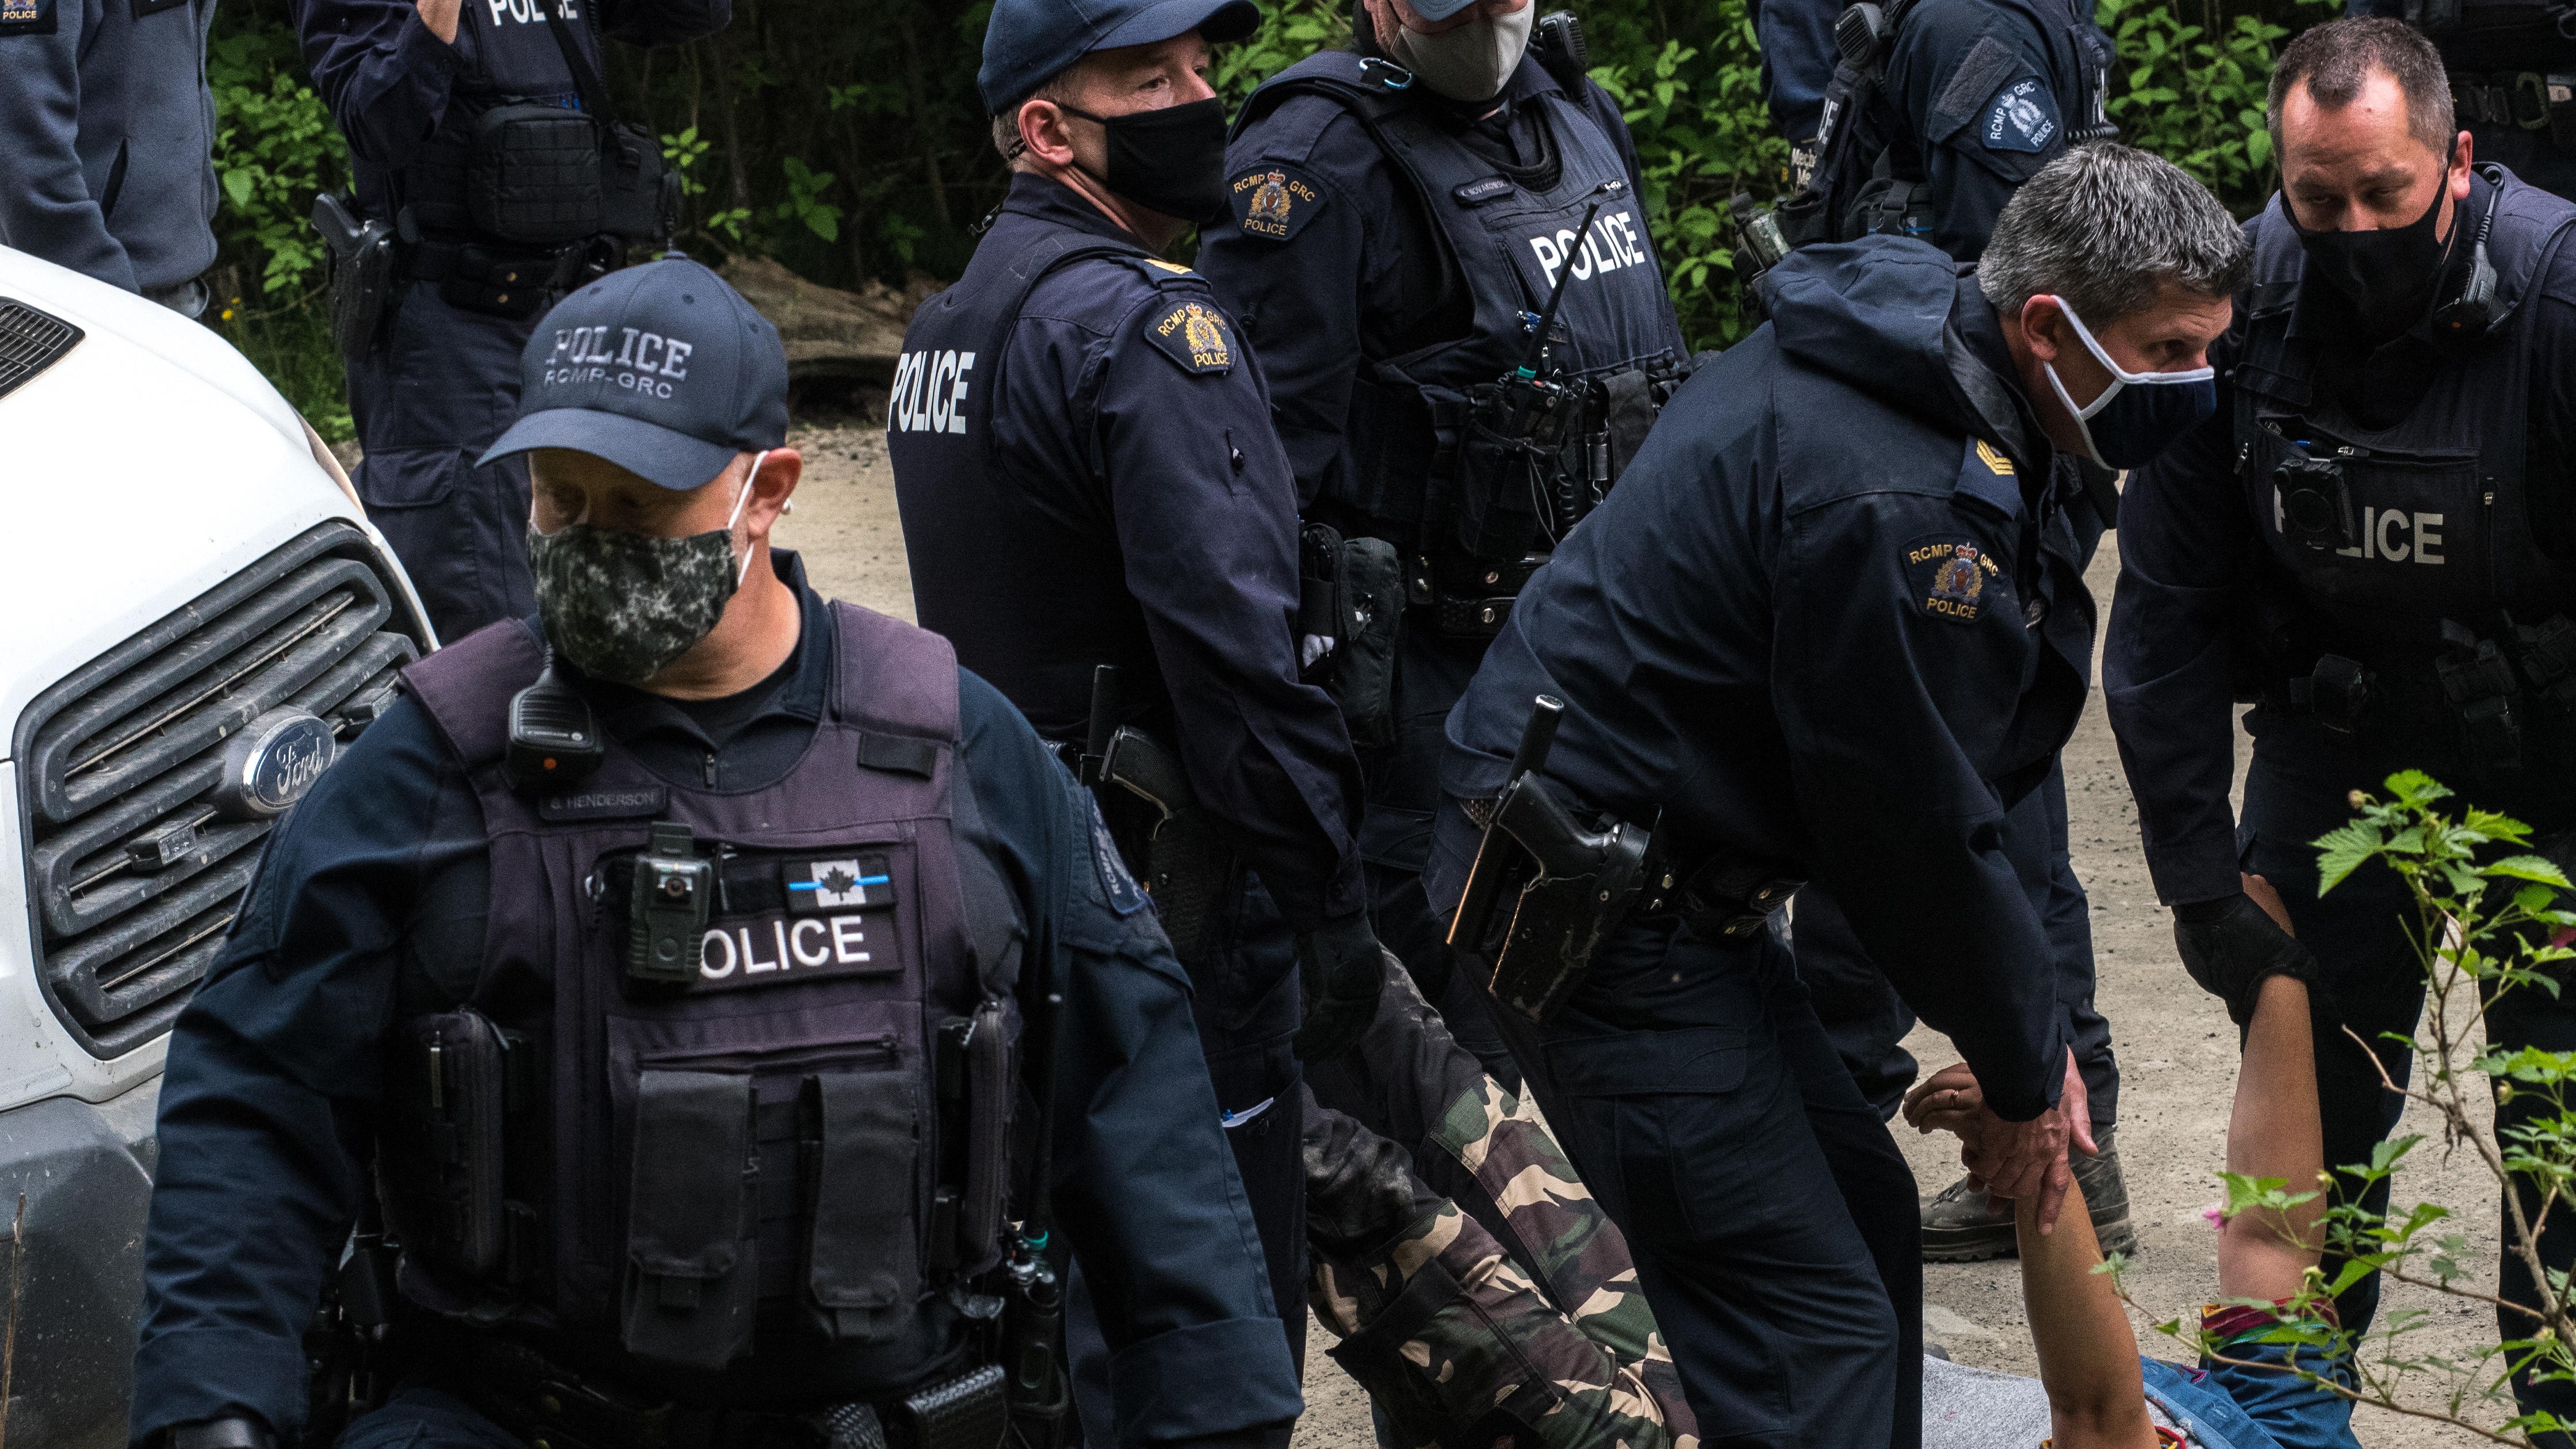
275	147
2485	907
2194	92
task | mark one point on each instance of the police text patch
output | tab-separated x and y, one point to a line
26	17
2021	117
1195	335
1273	201
1948	577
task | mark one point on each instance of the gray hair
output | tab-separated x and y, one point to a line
2105	226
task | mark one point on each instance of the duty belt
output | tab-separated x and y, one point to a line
547	1406
502	278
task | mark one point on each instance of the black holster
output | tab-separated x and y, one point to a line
1576	885
1351	591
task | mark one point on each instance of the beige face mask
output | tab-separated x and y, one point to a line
1469	63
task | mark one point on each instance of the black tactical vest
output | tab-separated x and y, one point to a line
1615	337
807	1139
2430	522
1028	581
1870	163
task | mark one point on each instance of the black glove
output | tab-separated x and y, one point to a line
2230	945
1340	969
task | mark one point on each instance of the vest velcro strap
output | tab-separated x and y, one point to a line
903	754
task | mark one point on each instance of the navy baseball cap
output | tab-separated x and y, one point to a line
1030	41
661	369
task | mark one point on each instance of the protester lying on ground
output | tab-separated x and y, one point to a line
2097	1392
1509	1318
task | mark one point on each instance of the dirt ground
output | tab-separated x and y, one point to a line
2176	1049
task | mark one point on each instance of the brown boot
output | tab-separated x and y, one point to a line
1960	1226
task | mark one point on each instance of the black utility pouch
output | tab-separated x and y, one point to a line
1497	492
441	1167
693	1267
863	1245
532	175
632	180
1368	605
992	1091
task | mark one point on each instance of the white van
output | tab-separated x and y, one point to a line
194	617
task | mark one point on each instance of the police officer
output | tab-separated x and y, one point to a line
108	167
1398	214
1083	454
1941	108
1906	87
2375	541
2513	79
466	128
1832	626
688	1081
1798	59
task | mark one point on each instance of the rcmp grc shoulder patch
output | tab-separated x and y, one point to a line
1948	577
1195	335
26	17
1273	201
2021	117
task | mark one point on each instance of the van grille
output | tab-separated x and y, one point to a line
30	342
134	868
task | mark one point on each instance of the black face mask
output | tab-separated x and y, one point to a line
1171	160
2389	276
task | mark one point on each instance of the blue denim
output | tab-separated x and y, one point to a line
2225	1406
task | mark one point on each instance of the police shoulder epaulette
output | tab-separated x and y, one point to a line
1989	476
1162	273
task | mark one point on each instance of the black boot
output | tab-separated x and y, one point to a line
1959	1226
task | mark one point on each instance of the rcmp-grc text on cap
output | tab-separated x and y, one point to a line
662	369
1030	41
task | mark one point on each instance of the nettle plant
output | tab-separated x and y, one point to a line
2487	906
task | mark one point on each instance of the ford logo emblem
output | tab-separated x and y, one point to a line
270	765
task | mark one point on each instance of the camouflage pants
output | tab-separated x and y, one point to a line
1464	1339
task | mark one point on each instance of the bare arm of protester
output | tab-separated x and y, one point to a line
2088	1358
2274	1131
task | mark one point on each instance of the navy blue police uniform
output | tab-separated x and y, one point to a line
108	167
1083	455
1933	132
1832	626
1387	252
1798	59
1969	99
378	890
2423	617
441	380
2513	80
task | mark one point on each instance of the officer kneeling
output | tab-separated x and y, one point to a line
1830	626
675	953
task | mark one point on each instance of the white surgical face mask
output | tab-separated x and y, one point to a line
1469	63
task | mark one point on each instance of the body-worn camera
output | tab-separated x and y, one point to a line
667	914
2316	503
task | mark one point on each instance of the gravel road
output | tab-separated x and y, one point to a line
2176	1049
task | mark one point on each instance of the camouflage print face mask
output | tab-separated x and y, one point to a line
623	605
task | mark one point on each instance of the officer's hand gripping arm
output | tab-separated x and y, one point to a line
2231	945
